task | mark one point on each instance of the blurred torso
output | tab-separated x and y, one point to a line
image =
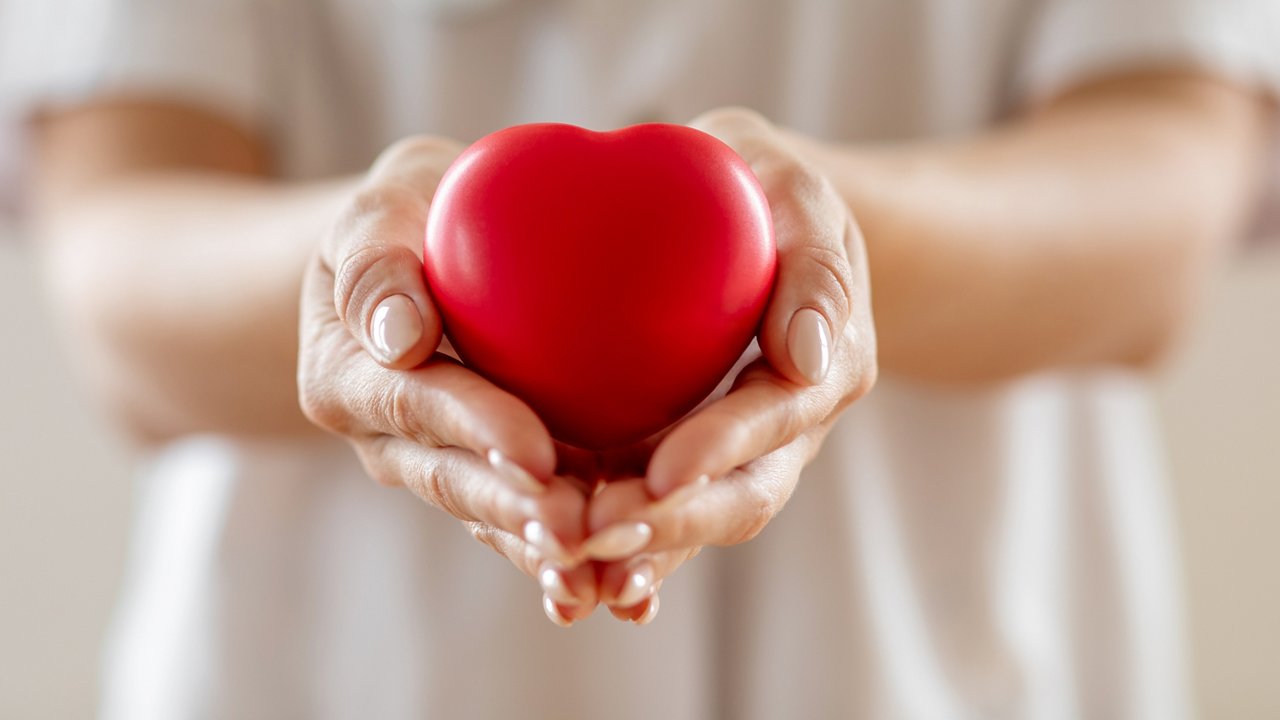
999	552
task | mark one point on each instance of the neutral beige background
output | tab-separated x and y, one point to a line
65	502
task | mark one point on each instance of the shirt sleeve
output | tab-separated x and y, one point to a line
61	52
1069	41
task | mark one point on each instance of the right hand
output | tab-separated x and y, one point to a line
370	372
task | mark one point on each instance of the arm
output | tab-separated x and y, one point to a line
1076	234
1081	232
176	265
205	296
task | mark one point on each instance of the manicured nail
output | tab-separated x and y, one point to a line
513	473
541	537
553	584
618	541
809	342
553	612
649	613
396	327
638	586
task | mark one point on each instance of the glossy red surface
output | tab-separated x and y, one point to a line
609	280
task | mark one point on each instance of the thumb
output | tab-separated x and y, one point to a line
812	297
813	230
380	291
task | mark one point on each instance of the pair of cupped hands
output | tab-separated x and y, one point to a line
590	528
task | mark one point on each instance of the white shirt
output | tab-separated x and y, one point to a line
1002	552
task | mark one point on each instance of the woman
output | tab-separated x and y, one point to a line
1043	187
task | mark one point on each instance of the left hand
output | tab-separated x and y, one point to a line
720	475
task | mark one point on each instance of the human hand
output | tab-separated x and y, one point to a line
720	475
370	372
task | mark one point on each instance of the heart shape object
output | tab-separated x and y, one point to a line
608	279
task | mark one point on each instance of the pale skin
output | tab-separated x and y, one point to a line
1078	233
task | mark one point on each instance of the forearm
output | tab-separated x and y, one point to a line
179	295
1077	235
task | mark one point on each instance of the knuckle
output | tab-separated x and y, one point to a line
349	277
828	274
445	417
799	179
758	509
410	148
380	199
486	534
368	207
402	414
804	200
442	485
748	132
362	276
376	202
731	118
434	488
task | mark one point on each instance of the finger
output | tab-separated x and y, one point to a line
817	286
529	558
628	583
374	251
642	613
726	511
763	412
521	554
573	591
439	404
464	485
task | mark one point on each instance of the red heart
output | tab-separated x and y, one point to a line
609	280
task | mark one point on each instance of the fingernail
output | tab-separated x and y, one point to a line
638	586
809	342
554	586
541	537
513	473
553	612
649	613
618	541
396	327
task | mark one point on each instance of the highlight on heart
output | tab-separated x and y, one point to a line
609	280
